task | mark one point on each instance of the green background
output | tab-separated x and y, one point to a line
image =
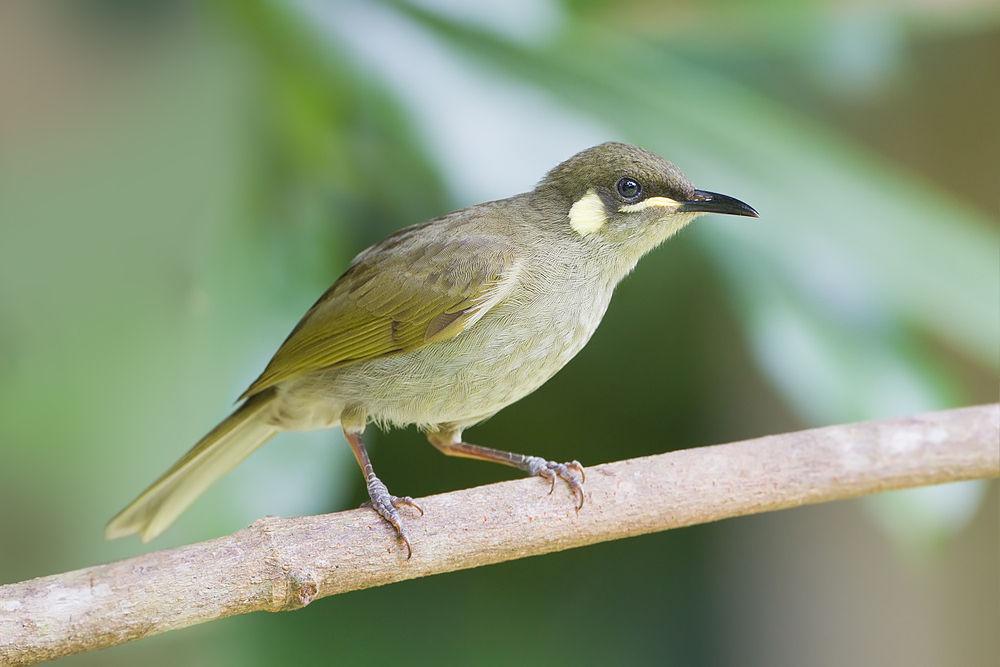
180	180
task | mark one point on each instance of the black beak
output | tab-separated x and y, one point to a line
712	202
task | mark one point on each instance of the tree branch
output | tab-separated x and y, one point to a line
279	564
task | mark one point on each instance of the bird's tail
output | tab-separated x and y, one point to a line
216	454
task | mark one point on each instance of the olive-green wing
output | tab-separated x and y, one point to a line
398	295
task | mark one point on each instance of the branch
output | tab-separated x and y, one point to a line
280	564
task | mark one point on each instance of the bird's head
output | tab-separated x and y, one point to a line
626	197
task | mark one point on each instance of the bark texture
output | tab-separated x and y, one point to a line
280	564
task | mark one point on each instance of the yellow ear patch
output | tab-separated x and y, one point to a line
660	202
587	214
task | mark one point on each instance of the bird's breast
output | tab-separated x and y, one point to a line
507	354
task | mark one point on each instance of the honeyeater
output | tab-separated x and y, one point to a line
444	323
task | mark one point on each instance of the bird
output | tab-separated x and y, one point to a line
444	323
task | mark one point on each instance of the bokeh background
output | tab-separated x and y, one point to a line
180	180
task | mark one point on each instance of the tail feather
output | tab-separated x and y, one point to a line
212	457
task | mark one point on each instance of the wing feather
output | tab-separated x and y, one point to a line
399	295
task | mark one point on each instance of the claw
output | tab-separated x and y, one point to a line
385	505
574	485
549	470
406	501
578	492
400	535
393	520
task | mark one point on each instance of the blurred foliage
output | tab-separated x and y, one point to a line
165	224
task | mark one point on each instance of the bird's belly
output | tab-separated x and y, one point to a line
464	380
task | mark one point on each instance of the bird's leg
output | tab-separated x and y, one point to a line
381	500
450	444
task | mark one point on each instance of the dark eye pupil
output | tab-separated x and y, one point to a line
628	188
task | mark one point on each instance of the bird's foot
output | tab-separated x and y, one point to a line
572	473
386	505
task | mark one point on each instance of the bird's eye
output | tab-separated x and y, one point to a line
629	189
